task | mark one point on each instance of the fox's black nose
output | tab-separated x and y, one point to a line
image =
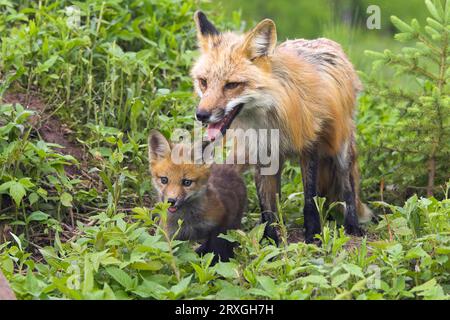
202	115
172	201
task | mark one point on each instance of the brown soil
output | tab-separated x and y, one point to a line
297	235
50	128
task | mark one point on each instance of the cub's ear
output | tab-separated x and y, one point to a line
158	146
261	40
206	31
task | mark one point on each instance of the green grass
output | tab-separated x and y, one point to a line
116	258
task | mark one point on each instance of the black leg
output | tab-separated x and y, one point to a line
222	249
267	188
351	223
310	165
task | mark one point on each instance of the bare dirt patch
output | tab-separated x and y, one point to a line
297	235
50	128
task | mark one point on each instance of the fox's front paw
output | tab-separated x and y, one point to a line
270	232
354	230
201	250
315	241
311	239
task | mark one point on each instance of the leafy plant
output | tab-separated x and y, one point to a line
419	121
118	258
27	169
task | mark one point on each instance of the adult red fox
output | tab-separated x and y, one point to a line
210	199
304	88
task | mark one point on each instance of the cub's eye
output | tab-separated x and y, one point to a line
164	180
232	85
203	83
186	182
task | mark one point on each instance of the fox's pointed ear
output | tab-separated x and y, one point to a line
205	30
158	146
261	40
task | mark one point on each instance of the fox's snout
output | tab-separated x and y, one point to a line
175	203
172	201
202	115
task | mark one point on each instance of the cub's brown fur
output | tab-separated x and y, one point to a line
209	199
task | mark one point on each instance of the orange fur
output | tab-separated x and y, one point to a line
305	88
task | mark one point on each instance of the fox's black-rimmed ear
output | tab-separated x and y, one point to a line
205	30
261	40
158	146
204	26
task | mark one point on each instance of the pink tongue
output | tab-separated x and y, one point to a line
213	130
172	209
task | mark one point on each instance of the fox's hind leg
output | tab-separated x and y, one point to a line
338	181
268	186
310	166
351	223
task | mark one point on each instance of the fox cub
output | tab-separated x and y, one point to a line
209	199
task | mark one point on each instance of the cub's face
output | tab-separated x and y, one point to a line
175	183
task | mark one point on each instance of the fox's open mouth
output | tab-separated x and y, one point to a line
222	126
172	209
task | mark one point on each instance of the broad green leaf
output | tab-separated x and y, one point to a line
430	290
149	266
6	185
88	280
339	279
121	277
45	66
33	198
268	284
38	216
425	286
353	269
416	252
26	182
181	287
66	199
151	289
316	280
227	269
17	192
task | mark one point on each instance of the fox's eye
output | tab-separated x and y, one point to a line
203	83
232	85
186	182
164	180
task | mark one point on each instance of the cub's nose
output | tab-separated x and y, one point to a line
172	201
202	115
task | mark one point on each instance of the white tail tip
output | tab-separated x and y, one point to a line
365	214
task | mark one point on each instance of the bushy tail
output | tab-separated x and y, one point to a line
364	213
331	183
